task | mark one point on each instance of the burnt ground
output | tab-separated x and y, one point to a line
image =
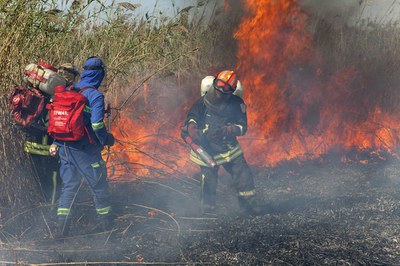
319	213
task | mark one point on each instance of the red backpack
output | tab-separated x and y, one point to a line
26	105
66	114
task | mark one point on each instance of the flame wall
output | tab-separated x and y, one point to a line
296	109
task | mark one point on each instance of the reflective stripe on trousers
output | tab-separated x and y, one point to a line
241	176
248	193
86	162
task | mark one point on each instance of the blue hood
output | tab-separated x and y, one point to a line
92	74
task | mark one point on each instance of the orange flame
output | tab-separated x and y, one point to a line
147	133
294	112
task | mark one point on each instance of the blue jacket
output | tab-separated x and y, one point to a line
91	78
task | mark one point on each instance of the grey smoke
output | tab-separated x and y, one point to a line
338	12
354	12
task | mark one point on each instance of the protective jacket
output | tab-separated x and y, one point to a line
209	119
36	145
37	141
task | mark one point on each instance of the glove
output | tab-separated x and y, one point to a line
228	131
214	135
53	150
194	133
224	132
110	140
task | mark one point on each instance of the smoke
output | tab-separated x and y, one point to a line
337	12
354	12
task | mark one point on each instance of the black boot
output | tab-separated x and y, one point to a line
251	205
208	210
105	223
62	228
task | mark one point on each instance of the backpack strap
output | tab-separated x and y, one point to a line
80	90
91	140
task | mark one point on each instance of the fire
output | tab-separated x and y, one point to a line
147	133
294	110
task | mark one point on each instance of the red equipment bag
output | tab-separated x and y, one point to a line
66	114
26	105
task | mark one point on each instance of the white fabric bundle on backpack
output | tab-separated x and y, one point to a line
43	77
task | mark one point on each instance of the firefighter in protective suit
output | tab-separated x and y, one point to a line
83	158
214	122
38	142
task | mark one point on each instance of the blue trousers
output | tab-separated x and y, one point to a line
88	163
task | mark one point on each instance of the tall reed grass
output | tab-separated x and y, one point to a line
369	47
35	30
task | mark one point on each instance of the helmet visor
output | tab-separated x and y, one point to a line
223	87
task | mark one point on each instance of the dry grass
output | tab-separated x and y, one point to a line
132	49
370	48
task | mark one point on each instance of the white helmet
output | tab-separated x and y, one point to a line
207	83
239	89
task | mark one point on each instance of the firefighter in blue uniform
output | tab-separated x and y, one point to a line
214	122
83	158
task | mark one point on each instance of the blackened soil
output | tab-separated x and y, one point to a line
318	213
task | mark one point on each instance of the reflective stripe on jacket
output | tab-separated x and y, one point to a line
36	148
220	158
